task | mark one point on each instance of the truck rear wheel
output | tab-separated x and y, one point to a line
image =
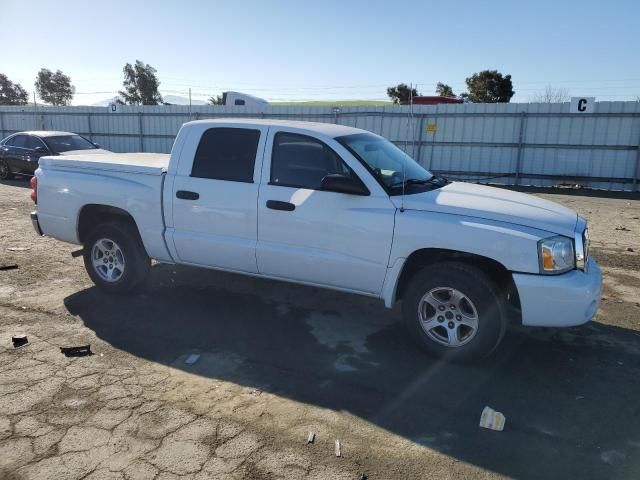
115	258
454	310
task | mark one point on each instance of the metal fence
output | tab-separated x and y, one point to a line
516	144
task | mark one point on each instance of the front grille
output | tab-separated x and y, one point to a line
581	243
585	243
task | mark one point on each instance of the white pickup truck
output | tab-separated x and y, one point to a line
330	206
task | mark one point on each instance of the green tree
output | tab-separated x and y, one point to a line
11	93
54	88
401	93
490	86
140	85
216	100
444	90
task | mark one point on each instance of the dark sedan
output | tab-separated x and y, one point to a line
20	152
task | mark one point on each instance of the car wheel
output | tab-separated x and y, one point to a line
115	258
5	171
454	310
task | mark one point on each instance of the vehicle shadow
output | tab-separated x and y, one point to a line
570	396
22	181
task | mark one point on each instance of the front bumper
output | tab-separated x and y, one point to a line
35	223
563	300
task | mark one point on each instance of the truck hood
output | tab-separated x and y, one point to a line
479	201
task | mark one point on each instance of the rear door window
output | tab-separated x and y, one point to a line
32	142
227	154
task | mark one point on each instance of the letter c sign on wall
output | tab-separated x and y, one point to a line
582	105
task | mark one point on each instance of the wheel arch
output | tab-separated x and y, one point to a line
429	256
93	214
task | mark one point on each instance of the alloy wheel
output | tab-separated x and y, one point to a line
448	317
107	260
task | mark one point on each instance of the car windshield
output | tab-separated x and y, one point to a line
390	165
67	143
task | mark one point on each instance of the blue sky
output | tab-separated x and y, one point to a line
302	50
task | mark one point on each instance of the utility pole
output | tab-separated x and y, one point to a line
35	112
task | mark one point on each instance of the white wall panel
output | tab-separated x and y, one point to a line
476	141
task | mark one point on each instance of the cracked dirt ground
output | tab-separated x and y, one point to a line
278	361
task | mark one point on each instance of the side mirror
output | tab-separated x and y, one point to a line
342	184
96	145
41	150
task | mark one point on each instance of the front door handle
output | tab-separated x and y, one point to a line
187	195
278	205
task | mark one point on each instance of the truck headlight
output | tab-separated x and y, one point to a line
556	255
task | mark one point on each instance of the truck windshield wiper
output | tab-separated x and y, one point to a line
416	181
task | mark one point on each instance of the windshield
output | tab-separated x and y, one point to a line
390	165
66	143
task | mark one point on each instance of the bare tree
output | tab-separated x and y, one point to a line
552	95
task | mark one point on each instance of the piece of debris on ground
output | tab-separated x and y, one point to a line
76	350
19	340
492	420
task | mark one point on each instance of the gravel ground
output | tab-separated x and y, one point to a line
277	361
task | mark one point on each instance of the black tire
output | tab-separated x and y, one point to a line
132	255
485	299
5	170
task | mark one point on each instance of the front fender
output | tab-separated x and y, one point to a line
512	246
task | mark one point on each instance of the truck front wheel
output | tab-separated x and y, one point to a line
115	258
454	310
5	170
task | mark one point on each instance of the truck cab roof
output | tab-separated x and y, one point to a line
328	129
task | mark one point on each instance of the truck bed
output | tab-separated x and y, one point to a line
141	163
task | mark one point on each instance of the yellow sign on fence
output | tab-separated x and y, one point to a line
431	127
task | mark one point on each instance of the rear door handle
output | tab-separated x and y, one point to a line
278	205
187	195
